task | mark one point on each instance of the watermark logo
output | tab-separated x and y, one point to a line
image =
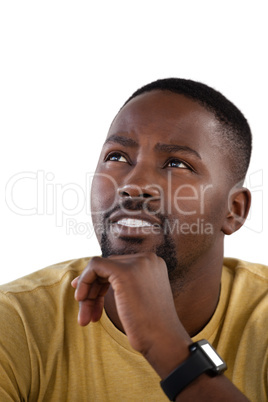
254	182
67	202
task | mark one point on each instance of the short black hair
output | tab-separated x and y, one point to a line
234	128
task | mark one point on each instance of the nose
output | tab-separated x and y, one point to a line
134	191
140	184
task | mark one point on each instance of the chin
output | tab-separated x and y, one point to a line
125	245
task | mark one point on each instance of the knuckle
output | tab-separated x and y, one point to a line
149	256
95	260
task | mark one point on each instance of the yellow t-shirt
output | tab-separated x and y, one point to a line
46	356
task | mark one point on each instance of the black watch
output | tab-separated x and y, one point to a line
203	359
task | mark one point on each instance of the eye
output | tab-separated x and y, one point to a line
177	163
116	157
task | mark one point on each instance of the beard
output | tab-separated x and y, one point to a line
166	250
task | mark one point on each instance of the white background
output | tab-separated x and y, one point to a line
67	67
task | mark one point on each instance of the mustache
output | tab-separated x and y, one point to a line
135	206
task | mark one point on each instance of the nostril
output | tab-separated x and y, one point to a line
124	194
135	191
142	195
145	195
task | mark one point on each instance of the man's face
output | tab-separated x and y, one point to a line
160	182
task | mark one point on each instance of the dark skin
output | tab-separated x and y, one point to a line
161	150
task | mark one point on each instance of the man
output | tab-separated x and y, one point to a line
167	189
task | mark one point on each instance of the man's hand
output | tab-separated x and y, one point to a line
144	304
147	312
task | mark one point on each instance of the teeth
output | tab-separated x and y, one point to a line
133	223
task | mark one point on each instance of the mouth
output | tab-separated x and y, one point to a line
135	223
123	226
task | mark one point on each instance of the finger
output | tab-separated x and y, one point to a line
98	288
85	311
84	283
96	270
75	282
98	309
90	310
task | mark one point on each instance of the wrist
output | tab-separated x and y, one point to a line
167	353
203	359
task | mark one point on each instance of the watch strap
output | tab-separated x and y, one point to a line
189	370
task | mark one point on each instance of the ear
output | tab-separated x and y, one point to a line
238	208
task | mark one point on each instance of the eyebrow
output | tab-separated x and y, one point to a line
168	148
126	142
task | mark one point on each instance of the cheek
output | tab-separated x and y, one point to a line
103	194
189	200
198	204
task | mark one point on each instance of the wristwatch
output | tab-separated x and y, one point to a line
203	359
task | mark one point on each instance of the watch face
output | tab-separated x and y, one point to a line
212	354
218	364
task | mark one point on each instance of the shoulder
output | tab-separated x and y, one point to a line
36	313
40	302
48	289
46	277
248	292
249	281
252	271
243	340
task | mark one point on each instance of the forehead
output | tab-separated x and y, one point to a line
167	115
